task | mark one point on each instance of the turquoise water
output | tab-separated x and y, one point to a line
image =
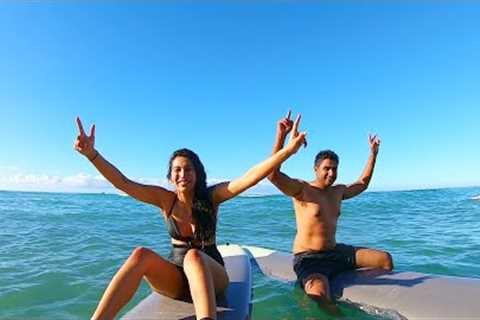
59	251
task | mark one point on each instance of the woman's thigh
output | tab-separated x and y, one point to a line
164	277
219	274
196	258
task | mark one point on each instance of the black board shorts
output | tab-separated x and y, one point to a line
328	263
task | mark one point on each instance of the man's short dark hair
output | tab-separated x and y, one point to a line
325	154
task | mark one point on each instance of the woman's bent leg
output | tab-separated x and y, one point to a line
164	275
206	278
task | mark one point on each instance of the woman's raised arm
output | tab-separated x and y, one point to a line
228	190
155	195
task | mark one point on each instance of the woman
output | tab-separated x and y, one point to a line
195	266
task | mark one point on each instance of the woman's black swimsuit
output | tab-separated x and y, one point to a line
178	252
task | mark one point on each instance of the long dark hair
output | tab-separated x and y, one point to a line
203	213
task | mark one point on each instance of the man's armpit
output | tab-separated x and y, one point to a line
299	195
342	188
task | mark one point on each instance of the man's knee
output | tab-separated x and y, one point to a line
317	288
387	261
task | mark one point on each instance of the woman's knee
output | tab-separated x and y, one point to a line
140	256
193	259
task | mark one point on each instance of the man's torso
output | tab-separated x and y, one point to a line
317	211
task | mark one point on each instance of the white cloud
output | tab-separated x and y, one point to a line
9	168
13	179
54	183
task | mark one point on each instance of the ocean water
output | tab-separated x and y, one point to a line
59	251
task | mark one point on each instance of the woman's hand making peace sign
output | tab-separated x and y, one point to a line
85	144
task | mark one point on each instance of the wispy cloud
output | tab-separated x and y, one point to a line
13	179
9	168
54	183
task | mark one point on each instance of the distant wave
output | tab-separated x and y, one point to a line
476	197
257	195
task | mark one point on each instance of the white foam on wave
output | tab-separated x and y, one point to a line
389	314
254	195
475	197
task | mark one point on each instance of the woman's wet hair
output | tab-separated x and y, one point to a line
325	154
202	210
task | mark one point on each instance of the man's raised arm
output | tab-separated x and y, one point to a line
289	186
362	183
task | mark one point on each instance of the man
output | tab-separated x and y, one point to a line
318	257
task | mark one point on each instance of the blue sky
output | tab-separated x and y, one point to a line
215	77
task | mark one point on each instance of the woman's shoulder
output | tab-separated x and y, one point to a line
169	204
211	188
211	193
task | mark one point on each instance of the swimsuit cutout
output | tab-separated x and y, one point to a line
173	229
179	251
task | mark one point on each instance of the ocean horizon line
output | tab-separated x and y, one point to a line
246	195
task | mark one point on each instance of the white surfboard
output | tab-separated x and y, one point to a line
415	296
236	305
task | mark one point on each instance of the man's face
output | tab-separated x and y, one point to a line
326	172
